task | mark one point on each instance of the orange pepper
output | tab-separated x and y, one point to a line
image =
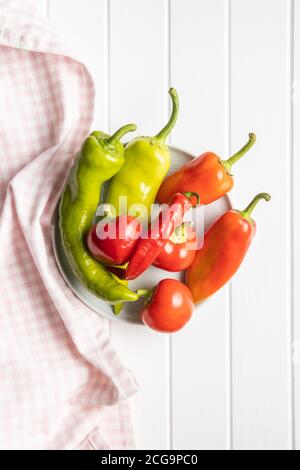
225	246
207	175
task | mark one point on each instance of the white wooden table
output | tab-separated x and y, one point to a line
229	379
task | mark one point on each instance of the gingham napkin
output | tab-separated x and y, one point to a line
62	385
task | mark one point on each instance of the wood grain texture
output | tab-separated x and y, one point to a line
139	93
199	361
296	204
261	290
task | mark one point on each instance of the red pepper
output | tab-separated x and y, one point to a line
225	246
207	175
113	242
169	308
179	252
150	246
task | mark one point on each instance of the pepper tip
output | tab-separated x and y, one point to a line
172	92
268	197
252	137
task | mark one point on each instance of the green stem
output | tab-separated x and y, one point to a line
189	194
232	160
146	293
143	292
246	213
119	266
163	134
180	234
120	133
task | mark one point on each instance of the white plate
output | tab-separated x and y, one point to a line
150	278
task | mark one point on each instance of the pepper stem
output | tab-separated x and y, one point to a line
163	134
246	213
180	234
232	160
119	266
143	292
120	133
146	293
191	194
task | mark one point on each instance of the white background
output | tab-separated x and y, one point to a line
229	379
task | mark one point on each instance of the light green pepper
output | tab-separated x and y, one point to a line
147	161
100	158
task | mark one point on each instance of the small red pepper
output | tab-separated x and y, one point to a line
113	241
168	307
225	246
207	175
179	252
150	246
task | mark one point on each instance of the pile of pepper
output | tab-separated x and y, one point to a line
127	240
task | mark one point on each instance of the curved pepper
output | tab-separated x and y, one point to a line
101	157
158	234
207	175
225	246
147	161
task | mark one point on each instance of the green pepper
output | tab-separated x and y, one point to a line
100	158
147	161
118	308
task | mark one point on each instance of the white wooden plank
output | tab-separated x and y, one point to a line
42	7
83	27
296	168
261	291
139	93
201	417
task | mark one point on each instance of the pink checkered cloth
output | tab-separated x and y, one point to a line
62	386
